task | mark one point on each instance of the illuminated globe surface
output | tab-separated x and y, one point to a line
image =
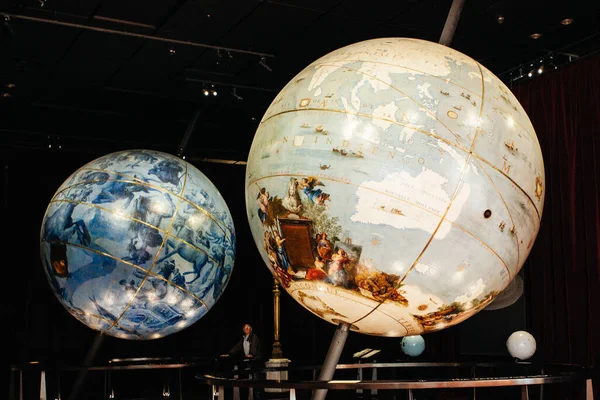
396	185
413	345
138	244
521	345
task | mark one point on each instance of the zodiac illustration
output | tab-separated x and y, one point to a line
120	188
60	226
168	171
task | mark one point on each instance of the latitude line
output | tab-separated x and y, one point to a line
498	105
398	66
153	274
427	111
453	223
108	210
499	170
369	116
140	182
301	291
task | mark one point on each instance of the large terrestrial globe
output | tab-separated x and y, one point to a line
395	185
138	244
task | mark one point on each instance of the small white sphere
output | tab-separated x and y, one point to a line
521	345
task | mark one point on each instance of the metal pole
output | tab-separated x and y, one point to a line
188	133
89	359
277	352
11	385
332	358
43	385
131	34
451	22
180	385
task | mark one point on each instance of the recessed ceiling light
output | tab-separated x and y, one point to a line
567	21
535	35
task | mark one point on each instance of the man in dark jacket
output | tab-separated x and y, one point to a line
247	349
248	346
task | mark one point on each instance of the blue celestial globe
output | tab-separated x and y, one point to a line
138	244
413	345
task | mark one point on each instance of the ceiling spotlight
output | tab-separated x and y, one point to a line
263	62
535	35
229	54
540	70
500	19
172	51
6	95
214	92
567	21
205	92
11	85
530	74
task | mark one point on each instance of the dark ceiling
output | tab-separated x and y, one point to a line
103	75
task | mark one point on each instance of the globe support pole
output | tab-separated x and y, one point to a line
451	22
89	361
188	133
332	358
277	353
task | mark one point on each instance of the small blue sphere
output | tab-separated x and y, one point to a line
413	345
137	244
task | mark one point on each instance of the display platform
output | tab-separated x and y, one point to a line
412	380
213	378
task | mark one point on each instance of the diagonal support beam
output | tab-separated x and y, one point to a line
132	34
451	22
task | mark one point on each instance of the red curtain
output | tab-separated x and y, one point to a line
563	269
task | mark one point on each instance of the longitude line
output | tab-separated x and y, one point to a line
157	252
